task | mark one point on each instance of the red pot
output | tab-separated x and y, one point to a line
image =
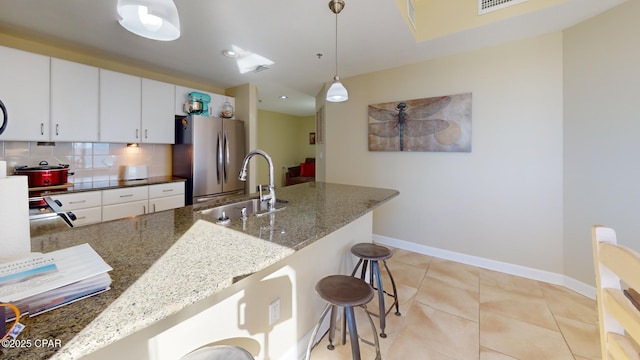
44	174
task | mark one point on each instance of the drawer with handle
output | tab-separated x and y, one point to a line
80	200
124	195
168	189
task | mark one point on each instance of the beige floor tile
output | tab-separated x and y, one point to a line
583	339
409	348
488	354
456	274
404	274
521	340
453	311
411	258
510	282
566	303
445	333
443	296
531	309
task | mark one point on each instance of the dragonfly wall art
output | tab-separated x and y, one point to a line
440	123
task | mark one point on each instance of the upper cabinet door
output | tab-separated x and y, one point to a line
24	90
120	101
158	116
74	101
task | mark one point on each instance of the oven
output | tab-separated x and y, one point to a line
44	207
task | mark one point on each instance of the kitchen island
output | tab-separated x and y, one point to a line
172	266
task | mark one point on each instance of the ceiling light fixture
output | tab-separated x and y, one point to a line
283	97
337	92
229	53
151	19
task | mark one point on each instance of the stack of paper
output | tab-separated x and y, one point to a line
42	282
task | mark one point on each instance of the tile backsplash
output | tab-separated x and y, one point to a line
88	161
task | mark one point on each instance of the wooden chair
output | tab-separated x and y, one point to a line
619	319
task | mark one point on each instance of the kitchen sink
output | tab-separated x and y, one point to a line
225	213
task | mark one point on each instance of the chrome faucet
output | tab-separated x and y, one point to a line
271	197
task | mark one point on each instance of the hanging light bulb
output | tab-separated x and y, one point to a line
152	19
337	92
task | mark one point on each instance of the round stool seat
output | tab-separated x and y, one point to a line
219	352
370	251
344	290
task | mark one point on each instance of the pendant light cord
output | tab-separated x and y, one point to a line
336	44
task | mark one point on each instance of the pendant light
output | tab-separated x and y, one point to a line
152	19
337	92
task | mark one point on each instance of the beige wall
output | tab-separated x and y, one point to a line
601	126
503	200
286	139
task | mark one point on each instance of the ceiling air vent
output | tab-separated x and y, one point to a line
487	6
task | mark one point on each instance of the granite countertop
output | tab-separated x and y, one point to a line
105	185
145	250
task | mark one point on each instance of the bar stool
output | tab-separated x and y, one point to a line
219	352
372	253
347	292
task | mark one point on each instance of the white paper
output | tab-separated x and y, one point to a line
72	265
15	234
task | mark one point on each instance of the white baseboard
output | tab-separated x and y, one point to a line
518	270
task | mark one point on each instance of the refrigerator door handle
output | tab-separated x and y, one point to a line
218	158
226	156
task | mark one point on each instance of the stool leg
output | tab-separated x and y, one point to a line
383	313
353	332
315	331
332	326
364	269
343	332
393	285
373	331
355	269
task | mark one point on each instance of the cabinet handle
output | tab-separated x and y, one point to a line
144	209
137	133
57	128
167	190
145	133
41	128
128	195
77	202
154	207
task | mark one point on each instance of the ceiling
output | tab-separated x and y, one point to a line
373	35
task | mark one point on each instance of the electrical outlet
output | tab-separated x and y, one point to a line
274	311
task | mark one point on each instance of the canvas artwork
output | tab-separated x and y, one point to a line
440	124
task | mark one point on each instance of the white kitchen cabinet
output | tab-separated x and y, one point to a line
118	211
166	196
124	202
86	206
74	101
158	118
120	107
24	90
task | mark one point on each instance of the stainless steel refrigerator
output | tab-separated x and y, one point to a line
208	152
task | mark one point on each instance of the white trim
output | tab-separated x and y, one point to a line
513	269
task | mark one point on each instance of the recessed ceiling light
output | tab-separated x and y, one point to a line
282	97
229	53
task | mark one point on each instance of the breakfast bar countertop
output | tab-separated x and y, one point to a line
145	253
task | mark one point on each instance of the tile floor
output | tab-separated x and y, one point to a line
456	311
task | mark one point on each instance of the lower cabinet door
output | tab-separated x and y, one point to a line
118	211
87	216
166	203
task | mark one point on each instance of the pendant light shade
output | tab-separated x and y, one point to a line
152	19
337	92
